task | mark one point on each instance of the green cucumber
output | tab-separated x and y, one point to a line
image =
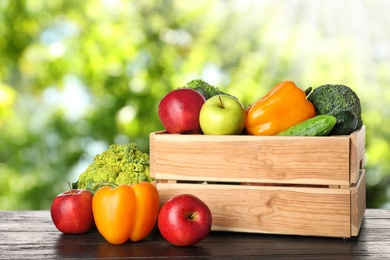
319	125
346	123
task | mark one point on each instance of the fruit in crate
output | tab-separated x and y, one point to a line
222	115
284	106
184	220
179	111
71	211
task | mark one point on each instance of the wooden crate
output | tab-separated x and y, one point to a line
311	186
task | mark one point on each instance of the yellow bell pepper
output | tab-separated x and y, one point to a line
284	106
126	212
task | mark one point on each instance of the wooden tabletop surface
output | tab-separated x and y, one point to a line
32	235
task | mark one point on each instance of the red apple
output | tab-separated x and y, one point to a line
179	111
184	220
71	211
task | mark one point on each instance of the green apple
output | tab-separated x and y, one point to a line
222	115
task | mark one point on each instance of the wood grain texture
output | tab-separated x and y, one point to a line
299	185
32	235
274	210
358	204
357	151
264	159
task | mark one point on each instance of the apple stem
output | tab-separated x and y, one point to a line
193	215
70	186
220	102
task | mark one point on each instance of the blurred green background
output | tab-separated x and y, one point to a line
76	76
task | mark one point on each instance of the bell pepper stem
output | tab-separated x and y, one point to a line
95	186
308	90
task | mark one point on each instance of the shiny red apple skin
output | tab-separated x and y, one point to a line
71	211
179	111
184	220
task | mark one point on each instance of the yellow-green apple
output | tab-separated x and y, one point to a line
71	211
222	115
184	220
179	111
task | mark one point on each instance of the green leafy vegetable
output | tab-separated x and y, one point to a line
119	164
330	99
204	88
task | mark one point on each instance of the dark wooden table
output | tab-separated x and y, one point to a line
32	235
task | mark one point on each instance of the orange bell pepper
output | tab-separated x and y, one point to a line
126	212
284	106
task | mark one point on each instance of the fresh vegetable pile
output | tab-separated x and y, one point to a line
117	195
286	110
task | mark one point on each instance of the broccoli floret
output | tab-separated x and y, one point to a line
119	164
329	99
204	88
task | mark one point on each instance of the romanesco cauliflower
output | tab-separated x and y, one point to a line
119	164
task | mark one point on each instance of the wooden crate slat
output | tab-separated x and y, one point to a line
357	152
300	160
358	204
266	209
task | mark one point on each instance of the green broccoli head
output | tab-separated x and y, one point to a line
329	99
119	164
204	88
199	83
